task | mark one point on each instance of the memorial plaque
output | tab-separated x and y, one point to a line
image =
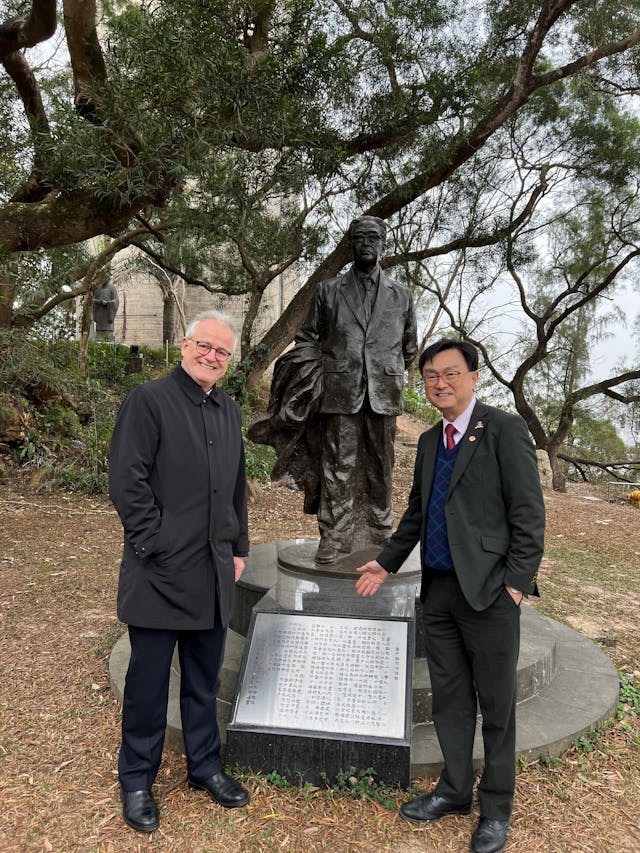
318	694
323	673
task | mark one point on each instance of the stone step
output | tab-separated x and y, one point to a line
566	684
583	694
536	665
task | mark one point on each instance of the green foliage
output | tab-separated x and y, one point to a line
71	421
362	785
277	781
259	458
235	379
68	421
549	761
108	362
629	697
589	741
415	403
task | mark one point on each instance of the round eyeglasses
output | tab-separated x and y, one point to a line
204	348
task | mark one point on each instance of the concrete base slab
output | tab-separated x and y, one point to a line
576	689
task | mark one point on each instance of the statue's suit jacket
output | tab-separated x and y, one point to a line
358	357
494	508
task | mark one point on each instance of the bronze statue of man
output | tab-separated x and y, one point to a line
335	397
364	325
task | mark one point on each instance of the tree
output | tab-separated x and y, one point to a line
375	107
557	271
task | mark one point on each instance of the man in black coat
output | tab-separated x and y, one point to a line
364	326
177	480
476	507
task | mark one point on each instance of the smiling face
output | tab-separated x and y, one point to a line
207	369
450	395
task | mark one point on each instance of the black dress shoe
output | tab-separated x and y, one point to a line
139	810
490	836
223	789
432	807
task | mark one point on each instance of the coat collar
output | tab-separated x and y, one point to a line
193	391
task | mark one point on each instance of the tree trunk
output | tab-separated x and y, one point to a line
85	329
168	317
559	479
6	301
249	319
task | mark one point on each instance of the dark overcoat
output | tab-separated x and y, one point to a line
360	357
494	508
177	480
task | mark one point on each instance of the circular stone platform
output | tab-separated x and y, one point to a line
566	683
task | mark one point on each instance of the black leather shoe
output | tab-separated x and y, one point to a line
432	807
490	836
223	789
139	810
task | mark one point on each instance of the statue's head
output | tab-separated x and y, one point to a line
367	236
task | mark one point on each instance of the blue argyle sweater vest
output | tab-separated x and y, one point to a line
436	553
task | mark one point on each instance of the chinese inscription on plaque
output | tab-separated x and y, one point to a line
323	673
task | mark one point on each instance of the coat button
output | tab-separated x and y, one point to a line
210	442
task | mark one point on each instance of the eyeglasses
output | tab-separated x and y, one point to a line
449	376
204	348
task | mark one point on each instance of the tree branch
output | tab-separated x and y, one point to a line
18	33
87	62
604	466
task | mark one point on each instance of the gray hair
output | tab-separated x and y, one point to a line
218	316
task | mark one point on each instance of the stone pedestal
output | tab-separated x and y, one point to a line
326	679
566	683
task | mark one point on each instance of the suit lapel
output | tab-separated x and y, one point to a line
381	305
349	290
470	442
434	435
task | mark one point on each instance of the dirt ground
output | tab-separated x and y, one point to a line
59	724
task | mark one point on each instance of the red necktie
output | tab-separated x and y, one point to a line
450	431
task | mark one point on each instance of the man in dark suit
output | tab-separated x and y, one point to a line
177	480
365	328
476	507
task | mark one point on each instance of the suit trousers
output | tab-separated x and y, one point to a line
472	657
356	461
146	693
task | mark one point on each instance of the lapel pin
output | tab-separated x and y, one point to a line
472	438
479	425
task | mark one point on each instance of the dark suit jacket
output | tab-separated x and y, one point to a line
356	357
177	479
494	508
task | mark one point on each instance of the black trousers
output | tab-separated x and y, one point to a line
146	693
472	657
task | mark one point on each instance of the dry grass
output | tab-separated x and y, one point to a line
59	724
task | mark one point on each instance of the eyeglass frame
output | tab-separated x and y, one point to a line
449	376
219	352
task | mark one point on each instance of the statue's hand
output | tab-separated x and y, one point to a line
372	576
